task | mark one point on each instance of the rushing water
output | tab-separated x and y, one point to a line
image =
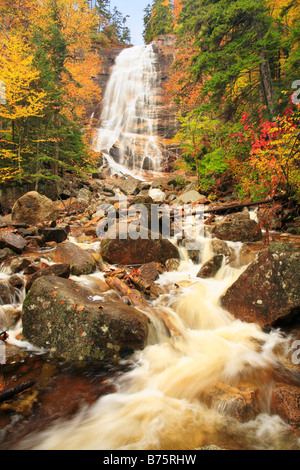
179	391
128	124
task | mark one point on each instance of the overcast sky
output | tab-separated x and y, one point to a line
134	8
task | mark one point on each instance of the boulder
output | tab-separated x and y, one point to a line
84	195
237	229
6	293
130	252
59	270
80	261
241	402
34	208
19	264
61	316
219	247
172	264
129	187
55	234
190	197
268	291
12	241
211	267
4	254
285	402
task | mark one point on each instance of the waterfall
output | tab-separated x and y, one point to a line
128	126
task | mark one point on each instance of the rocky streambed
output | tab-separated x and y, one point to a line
79	309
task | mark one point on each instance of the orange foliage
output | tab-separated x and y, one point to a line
181	87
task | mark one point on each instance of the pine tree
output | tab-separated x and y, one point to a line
158	19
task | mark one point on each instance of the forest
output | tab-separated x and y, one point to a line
48	61
235	82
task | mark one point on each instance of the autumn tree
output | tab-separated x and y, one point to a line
158	19
56	35
23	101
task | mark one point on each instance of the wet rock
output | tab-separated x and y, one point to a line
137	252
19	264
11	317
59	270
190	197
80	261
268	292
211	267
61	316
4	254
237	228
242	402
34	208
285	402
12	241
6	293
144	277
16	281
220	247
55	234
172	264
149	272
129	187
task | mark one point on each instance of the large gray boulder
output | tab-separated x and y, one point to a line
80	261
237	228
61	316
268	292
34	208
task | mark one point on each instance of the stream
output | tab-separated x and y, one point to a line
179	393
163	398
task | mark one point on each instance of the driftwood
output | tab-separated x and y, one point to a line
237	207
10	392
137	301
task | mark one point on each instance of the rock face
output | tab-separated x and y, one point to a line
211	267
137	252
12	241
58	270
80	261
238	230
268	292
33	208
61	316
190	197
285	402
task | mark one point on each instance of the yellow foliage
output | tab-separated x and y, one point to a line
19	75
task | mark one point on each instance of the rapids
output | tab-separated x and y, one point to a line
162	402
179	393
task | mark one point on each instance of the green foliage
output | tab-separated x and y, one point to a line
243	58
112	27
158	20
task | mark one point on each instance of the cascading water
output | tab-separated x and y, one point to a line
179	393
127	136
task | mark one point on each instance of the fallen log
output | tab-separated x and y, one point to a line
238	206
137	301
10	392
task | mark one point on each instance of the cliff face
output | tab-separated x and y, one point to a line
108	57
164	46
